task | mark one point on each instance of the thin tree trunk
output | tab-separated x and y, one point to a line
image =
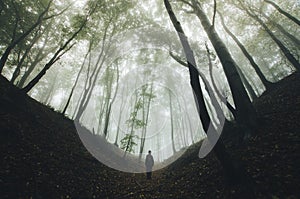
23	36
283	31
37	36
107	117
88	91
281	46
135	109
76	81
55	57
40	55
120	116
144	131
262	77
228	105
291	17
85	87
172	122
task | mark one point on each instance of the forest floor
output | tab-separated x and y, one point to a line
43	157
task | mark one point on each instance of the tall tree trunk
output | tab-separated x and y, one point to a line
208	88
172	122
145	119
291	17
246	83
246	114
107	117
36	37
76	81
135	109
120	116
87	83
93	78
265	82
221	97
231	170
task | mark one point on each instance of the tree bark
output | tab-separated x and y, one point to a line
226	161
246	114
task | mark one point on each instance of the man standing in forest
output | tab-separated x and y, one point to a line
149	164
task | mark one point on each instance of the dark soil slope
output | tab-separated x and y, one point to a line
42	156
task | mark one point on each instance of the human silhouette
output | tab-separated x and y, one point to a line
149	164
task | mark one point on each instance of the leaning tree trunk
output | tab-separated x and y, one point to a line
39	57
235	174
228	105
92	82
246	114
60	52
291	17
16	41
248	86
24	56
281	46
76	81
295	40
266	83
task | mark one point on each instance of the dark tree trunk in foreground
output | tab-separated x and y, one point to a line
228	105
234	174
265	82
208	88
246	83
246	114
291	17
